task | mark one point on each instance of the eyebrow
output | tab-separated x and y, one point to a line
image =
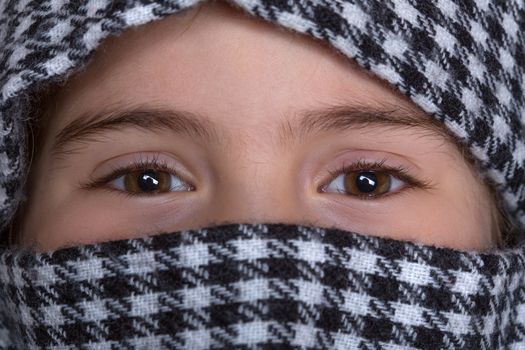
88	126
343	117
334	118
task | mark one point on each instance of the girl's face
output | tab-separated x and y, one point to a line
212	117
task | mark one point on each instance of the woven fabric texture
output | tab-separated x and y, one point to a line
461	61
264	287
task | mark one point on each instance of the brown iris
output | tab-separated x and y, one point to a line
367	183
147	181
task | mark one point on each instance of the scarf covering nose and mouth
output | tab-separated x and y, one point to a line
263	286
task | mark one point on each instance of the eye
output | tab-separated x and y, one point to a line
149	181
365	183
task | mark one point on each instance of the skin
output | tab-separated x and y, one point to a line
249	80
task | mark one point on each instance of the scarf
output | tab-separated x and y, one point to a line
263	286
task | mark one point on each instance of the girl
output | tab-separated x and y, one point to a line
179	127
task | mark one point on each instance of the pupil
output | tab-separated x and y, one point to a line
148	181
366	182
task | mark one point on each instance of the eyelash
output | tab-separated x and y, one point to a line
151	162
399	172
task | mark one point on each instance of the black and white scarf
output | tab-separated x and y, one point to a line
263	287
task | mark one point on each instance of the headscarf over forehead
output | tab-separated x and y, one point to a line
463	62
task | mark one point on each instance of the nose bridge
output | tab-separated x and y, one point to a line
259	188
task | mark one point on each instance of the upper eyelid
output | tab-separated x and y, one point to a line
142	165
359	165
140	160
362	165
138	167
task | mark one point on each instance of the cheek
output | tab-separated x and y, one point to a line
474	209
480	224
459	216
459	219
90	219
458	225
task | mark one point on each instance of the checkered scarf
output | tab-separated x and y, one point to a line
264	287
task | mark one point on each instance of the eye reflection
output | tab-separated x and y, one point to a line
364	183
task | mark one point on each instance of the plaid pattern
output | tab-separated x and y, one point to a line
461	61
267	287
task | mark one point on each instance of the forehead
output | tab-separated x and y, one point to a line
222	64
